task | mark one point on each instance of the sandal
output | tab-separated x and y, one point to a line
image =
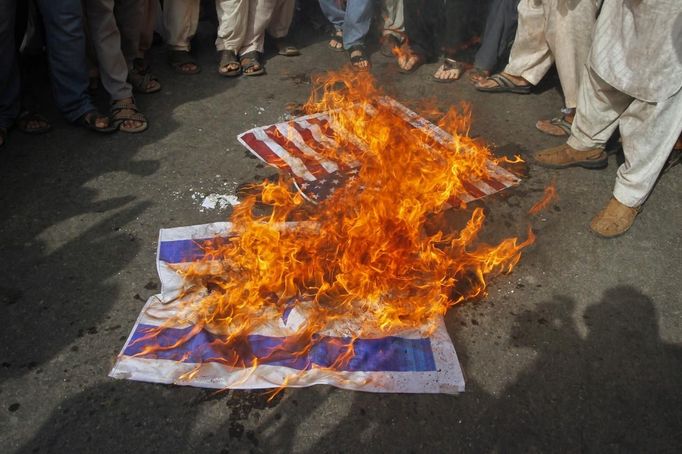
389	44
179	59
251	65
124	110
27	117
142	80
89	121
504	85
286	49
420	60
359	57
557	127
449	64
229	65
336	41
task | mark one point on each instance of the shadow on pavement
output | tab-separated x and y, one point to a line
617	389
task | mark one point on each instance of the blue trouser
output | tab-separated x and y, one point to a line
10	87
354	20
500	29
63	20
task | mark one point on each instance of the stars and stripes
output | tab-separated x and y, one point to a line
296	147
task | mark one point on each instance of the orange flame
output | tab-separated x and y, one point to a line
364	265
549	196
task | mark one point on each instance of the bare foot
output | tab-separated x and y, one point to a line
409	61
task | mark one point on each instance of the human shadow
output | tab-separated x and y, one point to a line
614	390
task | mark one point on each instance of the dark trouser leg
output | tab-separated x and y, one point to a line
422	17
66	55
10	86
500	29
454	31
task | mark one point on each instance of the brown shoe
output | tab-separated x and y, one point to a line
566	156
614	220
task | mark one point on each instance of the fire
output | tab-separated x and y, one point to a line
548	197
367	261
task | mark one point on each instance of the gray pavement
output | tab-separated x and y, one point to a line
579	349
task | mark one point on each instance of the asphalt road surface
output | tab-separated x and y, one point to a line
578	350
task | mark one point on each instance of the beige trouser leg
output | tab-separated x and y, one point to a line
109	38
272	15
151	10
233	16
568	31
180	19
394	19
648	130
530	55
552	31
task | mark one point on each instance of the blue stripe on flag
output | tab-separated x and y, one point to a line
394	354
180	251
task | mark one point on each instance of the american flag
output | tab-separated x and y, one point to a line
293	147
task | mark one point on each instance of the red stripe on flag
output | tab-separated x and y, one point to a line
262	150
493	183
310	162
473	190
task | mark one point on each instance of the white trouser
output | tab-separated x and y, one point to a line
550	32
394	18
648	131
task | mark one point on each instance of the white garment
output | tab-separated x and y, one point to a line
553	31
394	18
648	131
638	47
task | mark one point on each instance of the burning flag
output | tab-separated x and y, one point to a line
354	294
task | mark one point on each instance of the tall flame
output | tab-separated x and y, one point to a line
367	262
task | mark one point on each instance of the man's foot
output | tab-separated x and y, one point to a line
33	123
358	58
229	65
183	62
94	121
141	78
127	117
449	71
336	41
251	65
478	75
408	60
614	219
504	82
390	44
559	126
285	48
565	156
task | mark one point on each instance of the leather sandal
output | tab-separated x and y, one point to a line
565	156
614	219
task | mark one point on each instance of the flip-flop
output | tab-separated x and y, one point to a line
420	61
504	85
449	64
559	122
227	58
